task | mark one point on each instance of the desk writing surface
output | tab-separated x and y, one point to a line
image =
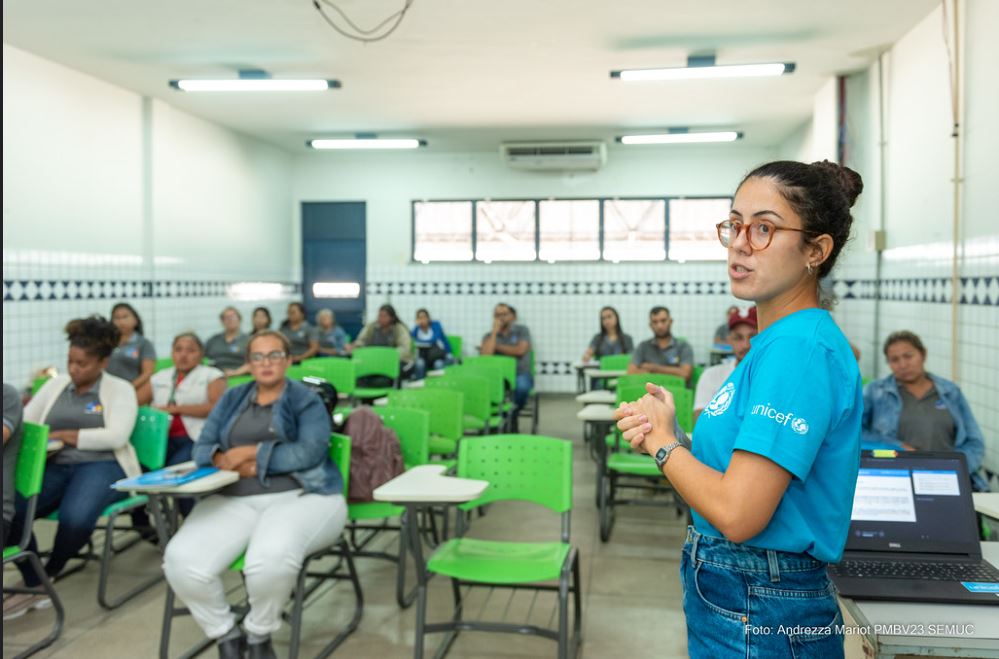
582	365
987	503
428	484
210	483
597	396
596	412
607	373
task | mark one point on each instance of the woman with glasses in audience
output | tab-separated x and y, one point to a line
770	479
261	319
134	359
611	339
921	411
300	334
227	350
92	413
287	503
332	338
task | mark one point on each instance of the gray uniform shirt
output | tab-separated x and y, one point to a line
252	427
675	354
13	413
515	335
925	423
603	346
126	360
227	355
75	411
300	338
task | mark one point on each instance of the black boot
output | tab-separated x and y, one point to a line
263	650
232	648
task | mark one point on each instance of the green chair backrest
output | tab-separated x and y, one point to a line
296	372
237	380
492	371
340	454
149	437
506	362
335	370
31	461
446	408
615	362
475	389
683	398
456	345
519	467
412	427
39	383
695	377
162	364
376	360
670	382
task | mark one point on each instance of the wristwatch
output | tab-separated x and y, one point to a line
662	455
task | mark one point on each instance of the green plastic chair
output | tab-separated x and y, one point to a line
519	468
446	410
375	360
695	377
162	364
28	475
456	344
478	418
507	363
614	362
412	427
493	373
39	383
337	371
339	452
237	380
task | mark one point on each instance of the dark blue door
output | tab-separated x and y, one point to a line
333	252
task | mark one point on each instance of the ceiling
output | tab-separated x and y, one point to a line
466	74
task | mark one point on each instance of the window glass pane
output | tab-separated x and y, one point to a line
442	231
692	233
504	231
634	230
570	230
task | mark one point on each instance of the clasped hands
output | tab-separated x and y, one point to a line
241	459
647	423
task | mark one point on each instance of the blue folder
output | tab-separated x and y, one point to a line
169	477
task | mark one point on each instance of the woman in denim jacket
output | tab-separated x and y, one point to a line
287	503
920	411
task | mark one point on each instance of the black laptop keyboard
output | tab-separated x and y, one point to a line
916	570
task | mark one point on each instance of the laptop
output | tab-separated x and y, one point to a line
914	533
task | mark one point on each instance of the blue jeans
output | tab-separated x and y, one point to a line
525	382
420	370
80	492
746	602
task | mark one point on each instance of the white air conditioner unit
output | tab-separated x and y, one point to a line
554	156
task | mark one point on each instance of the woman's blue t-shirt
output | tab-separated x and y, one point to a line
795	399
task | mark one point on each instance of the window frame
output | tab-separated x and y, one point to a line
537	225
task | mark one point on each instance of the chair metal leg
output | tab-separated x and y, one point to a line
577	632
107	554
45	586
404	599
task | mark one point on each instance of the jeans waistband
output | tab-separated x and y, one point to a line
722	552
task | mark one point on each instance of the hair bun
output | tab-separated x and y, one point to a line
848	180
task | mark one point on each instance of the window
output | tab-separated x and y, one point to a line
442	231
692	233
505	231
570	230
634	230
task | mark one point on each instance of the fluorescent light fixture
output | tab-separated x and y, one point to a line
259	290
254	85
705	71
341	289
682	138
366	143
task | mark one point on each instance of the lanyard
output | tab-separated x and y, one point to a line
177	377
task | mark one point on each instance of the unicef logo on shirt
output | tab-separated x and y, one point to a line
800	426
721	401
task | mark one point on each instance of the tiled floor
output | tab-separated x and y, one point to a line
632	596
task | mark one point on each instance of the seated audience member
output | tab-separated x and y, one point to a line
721	334
134	359
287	503
301	335
920	411
662	353
433	350
332	338
227	349
387	331
92	413
611	339
514	340
261	319
740	330
13	431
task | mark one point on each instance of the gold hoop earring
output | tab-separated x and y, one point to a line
811	270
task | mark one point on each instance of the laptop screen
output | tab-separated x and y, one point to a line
914	503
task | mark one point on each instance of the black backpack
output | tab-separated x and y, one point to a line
326	391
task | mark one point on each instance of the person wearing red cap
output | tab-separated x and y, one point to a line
741	328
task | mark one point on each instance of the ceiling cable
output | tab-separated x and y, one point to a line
362	35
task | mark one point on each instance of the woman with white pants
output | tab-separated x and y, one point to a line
287	503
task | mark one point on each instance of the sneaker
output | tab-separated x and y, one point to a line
18	604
